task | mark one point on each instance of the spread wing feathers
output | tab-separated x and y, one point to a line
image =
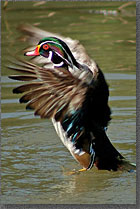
54	93
34	35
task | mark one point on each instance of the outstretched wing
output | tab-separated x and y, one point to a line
52	92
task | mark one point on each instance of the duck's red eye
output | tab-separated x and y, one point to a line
45	46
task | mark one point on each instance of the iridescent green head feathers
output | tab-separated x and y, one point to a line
55	50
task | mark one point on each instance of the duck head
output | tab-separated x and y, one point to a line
56	51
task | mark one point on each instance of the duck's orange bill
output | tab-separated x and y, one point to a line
33	53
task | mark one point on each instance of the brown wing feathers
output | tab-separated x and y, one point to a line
26	87
52	94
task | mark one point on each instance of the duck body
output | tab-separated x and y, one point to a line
73	92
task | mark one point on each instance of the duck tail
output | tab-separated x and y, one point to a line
106	155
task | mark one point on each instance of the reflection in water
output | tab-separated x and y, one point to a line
34	161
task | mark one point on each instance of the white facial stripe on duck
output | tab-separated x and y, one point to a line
51	57
60	51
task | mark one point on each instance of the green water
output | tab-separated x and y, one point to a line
34	160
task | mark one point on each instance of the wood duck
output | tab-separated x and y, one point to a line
69	88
